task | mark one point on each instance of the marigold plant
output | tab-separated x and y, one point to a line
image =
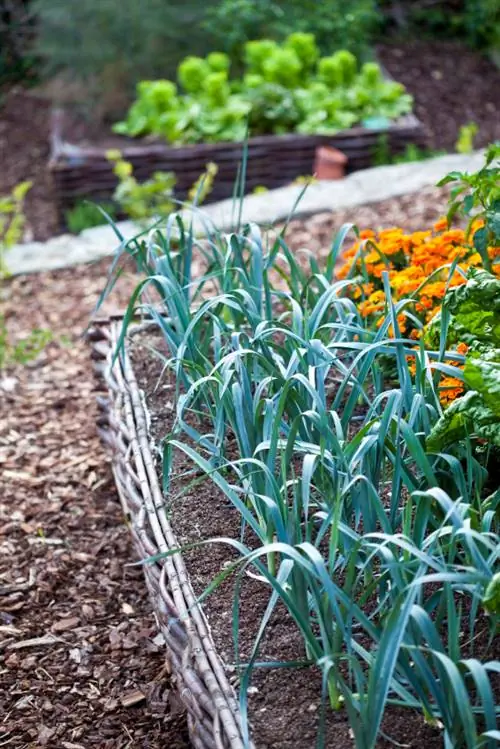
421	267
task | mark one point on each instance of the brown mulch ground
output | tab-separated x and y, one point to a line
77	638
452	86
80	662
25	151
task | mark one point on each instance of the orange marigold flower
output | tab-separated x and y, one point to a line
418	265
475	259
441	224
391	233
449	389
462	348
454	235
372	257
436	289
411	365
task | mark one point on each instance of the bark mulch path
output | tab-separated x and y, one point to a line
81	664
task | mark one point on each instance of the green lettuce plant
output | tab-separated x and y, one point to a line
283	88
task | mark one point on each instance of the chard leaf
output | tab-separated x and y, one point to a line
466	416
482	373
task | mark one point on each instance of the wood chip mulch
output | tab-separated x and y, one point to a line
81	664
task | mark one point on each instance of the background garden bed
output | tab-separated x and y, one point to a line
80	171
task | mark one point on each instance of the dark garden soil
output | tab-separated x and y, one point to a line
285	706
24	154
80	662
452	86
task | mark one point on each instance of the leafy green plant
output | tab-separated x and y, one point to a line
110	45
155	196
382	153
477	197
17	29
481	21
475	21
284	88
85	215
475	319
12	221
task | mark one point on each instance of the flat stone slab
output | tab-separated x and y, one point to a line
360	188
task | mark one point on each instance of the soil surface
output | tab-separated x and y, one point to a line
81	664
452	86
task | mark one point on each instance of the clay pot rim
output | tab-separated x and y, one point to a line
330	153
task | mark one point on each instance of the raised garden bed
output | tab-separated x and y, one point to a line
82	171
285	704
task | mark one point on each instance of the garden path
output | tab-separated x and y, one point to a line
81	661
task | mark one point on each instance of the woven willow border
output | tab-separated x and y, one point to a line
212	709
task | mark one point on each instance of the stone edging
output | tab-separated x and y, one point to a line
359	188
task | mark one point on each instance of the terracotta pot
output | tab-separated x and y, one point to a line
330	163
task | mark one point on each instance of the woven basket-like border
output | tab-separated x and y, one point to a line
83	171
212	709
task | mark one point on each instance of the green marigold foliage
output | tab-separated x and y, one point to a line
477	195
284	88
